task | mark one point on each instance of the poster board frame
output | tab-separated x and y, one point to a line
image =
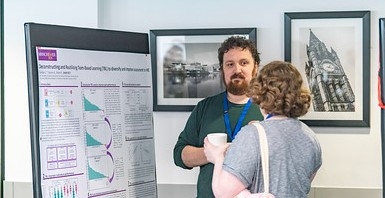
59	36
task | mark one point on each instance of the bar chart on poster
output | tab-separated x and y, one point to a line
91	113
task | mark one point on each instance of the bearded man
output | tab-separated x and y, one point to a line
225	112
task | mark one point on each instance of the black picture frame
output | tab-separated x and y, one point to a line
381	96
342	37
2	112
381	71
185	66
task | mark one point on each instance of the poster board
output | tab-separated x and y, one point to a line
90	105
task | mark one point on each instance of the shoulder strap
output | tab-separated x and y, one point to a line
264	154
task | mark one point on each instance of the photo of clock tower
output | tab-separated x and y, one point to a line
328	83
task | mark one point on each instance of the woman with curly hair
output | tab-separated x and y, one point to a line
294	151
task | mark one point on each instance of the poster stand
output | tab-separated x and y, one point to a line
90	106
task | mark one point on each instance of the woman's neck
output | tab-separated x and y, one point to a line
274	117
271	116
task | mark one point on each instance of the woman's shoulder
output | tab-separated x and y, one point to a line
249	130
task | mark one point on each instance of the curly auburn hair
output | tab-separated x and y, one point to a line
237	41
278	89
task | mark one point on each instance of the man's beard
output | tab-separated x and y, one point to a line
237	87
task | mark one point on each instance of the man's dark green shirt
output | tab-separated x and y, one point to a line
207	117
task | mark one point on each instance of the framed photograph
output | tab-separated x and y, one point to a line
332	52
185	66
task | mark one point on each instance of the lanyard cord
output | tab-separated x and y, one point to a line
238	126
269	116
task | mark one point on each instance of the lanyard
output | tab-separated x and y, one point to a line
231	133
269	116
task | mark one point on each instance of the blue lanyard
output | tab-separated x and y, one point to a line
269	116
231	133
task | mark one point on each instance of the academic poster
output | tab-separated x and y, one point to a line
95	124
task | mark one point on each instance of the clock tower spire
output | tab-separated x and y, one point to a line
327	80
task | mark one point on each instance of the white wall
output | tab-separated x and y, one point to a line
18	164
352	156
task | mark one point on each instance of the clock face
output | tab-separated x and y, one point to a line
328	67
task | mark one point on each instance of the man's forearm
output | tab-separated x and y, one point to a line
193	156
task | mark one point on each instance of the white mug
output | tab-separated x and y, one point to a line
217	139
